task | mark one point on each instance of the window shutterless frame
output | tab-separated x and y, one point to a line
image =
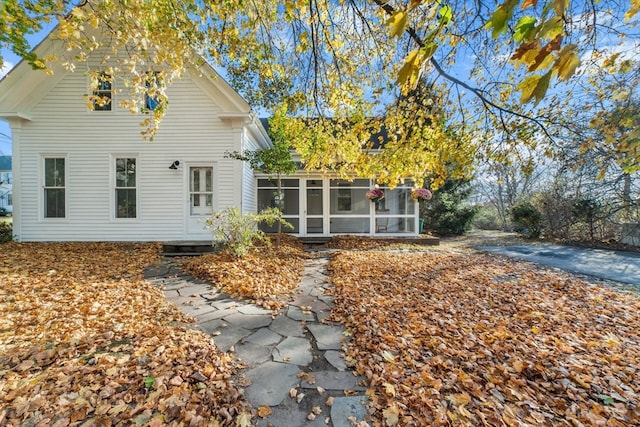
125	187
104	92
54	186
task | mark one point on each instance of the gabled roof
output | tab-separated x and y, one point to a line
22	88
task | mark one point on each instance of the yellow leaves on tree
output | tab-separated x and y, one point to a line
479	340
412	141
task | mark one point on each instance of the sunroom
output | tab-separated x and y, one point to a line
321	206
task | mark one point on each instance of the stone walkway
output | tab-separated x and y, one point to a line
296	349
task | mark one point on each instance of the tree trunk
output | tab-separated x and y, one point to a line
626	196
280	208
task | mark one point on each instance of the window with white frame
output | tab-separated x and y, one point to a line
125	188
54	187
152	82
102	93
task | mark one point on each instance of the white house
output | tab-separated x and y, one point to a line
81	175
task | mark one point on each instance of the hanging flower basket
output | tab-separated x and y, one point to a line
421	194
375	194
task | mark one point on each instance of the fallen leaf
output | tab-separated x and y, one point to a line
391	414
243	420
264	411
461	338
389	389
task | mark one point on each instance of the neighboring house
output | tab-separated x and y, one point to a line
83	175
6	185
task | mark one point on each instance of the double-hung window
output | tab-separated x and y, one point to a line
102	95
152	82
54	187
125	189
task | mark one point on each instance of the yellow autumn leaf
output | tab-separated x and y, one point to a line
633	10
118	409
243	420
541	88
397	23
526	88
389	389
391	414
534	87
567	62
386	355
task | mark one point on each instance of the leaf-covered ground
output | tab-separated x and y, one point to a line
85	341
266	276
355	242
445	338
468	339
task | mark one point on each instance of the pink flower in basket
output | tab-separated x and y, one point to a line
421	194
375	194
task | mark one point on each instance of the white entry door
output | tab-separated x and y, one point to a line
200	201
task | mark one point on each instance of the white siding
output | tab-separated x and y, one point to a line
61	125
249	195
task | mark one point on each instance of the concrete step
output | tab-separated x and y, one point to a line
187	248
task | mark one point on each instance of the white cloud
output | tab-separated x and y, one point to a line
626	51
7	66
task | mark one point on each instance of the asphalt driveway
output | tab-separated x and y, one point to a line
619	266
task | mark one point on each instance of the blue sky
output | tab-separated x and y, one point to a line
5	132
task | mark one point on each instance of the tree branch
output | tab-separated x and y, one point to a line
477	92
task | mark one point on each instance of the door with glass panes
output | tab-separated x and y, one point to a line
200	198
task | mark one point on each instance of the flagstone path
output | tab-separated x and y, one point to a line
296	349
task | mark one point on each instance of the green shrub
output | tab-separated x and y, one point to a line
6	232
239	232
527	220
445	213
487	218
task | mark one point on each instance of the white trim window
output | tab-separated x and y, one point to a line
125	187
152	84
54	187
102	92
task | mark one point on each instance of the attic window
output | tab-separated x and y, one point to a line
153	82
102	93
